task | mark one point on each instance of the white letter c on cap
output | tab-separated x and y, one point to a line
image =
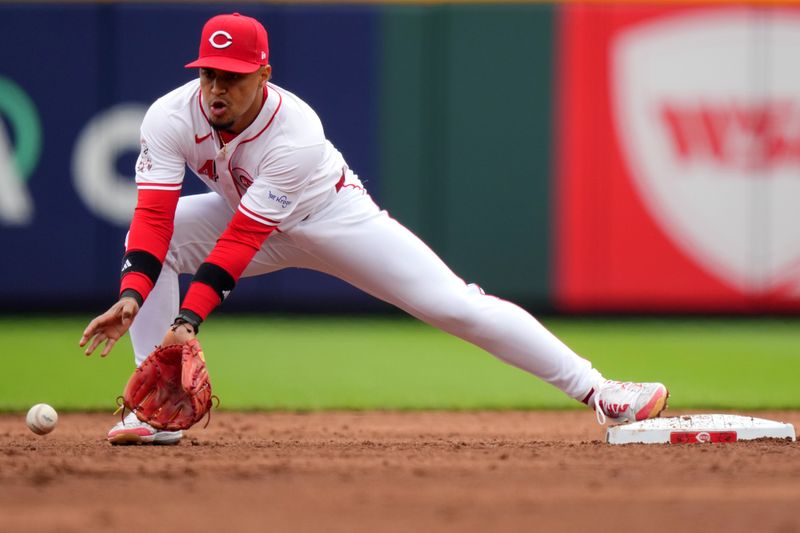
225	34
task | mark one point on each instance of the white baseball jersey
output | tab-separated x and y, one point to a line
277	171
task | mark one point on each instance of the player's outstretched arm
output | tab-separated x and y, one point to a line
110	326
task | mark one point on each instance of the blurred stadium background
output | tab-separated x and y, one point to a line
628	172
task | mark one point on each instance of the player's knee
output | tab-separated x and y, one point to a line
457	314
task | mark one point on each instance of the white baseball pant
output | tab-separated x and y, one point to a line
352	239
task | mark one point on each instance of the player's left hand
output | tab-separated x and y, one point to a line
110	326
171	389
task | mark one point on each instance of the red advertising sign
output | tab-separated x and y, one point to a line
678	165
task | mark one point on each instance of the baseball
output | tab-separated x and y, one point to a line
42	419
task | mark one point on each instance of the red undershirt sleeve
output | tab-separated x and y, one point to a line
151	230
233	252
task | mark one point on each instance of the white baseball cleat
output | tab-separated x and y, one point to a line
131	430
628	401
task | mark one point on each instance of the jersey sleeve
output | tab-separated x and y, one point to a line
282	178
161	164
159	176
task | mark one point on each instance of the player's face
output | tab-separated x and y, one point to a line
232	101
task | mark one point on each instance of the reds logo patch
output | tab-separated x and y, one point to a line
220	39
242	179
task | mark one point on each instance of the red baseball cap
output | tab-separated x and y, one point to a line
234	43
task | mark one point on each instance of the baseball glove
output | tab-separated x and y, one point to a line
170	390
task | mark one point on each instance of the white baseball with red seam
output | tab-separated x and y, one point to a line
42	419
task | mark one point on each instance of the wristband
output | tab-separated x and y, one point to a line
132	293
191	318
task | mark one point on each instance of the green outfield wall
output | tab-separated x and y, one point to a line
465	149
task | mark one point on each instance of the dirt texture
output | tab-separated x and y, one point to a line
392	472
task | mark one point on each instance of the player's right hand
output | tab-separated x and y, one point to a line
110	326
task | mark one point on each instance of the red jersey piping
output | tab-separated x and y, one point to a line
259	218
269	123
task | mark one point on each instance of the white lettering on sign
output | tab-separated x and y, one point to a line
107	193
16	205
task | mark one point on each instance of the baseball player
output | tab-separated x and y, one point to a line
283	196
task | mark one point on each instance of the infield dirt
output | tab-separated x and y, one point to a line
392	472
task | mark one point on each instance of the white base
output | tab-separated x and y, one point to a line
692	429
